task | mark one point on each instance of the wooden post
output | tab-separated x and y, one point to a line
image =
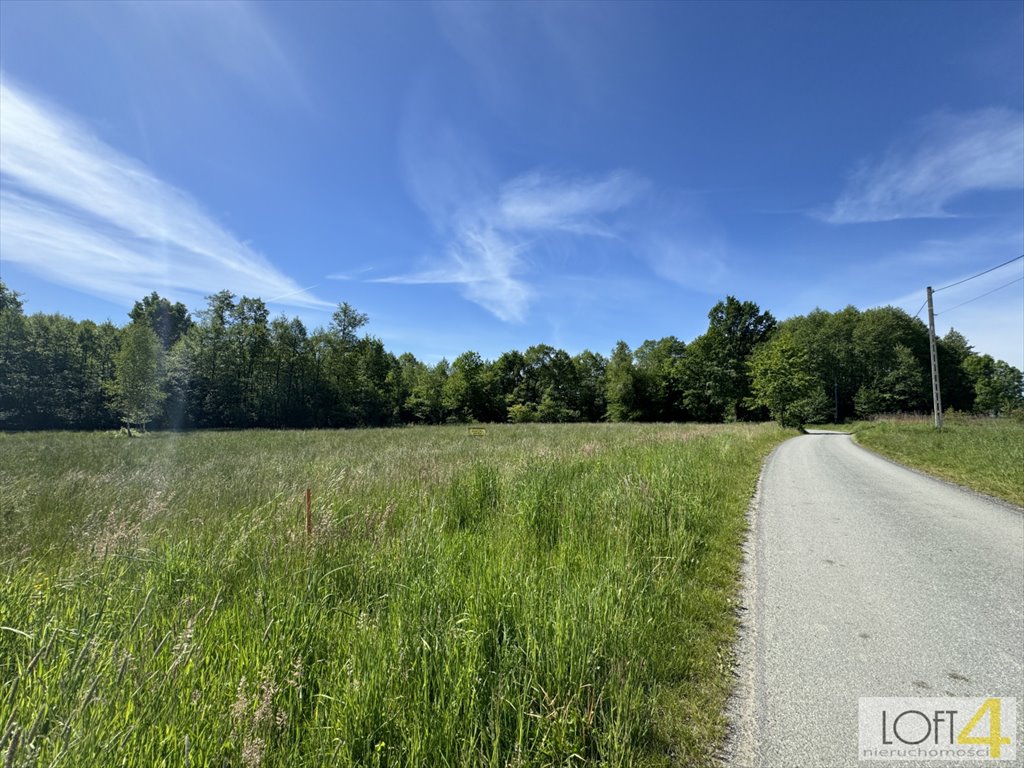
309	514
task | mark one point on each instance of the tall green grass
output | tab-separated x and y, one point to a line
542	595
980	453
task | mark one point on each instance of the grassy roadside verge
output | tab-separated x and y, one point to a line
986	455
539	596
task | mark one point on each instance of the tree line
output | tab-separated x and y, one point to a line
234	366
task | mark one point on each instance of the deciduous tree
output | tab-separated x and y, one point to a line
136	389
782	381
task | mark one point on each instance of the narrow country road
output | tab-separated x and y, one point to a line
866	579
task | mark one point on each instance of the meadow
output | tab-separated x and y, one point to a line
980	453
541	595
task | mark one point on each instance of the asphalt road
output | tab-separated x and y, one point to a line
866	579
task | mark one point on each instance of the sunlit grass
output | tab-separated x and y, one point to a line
984	454
542	595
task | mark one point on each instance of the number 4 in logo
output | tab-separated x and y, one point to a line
995	738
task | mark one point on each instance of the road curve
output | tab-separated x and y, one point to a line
866	579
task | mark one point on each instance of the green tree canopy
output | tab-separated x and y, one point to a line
136	388
235	366
782	381
998	386
168	321
620	385
716	373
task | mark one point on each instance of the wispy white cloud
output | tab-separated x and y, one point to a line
536	201
240	38
568	43
489	239
352	274
682	244
202	54
696	261
488	267
500	237
78	212
950	155
446	170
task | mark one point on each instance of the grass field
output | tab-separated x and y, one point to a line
980	453
541	595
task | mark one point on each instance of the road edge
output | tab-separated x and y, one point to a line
738	748
928	475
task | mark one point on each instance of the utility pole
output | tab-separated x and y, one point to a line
936	394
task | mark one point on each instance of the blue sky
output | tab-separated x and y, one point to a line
488	177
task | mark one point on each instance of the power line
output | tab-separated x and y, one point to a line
936	390
981	296
923	305
958	282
